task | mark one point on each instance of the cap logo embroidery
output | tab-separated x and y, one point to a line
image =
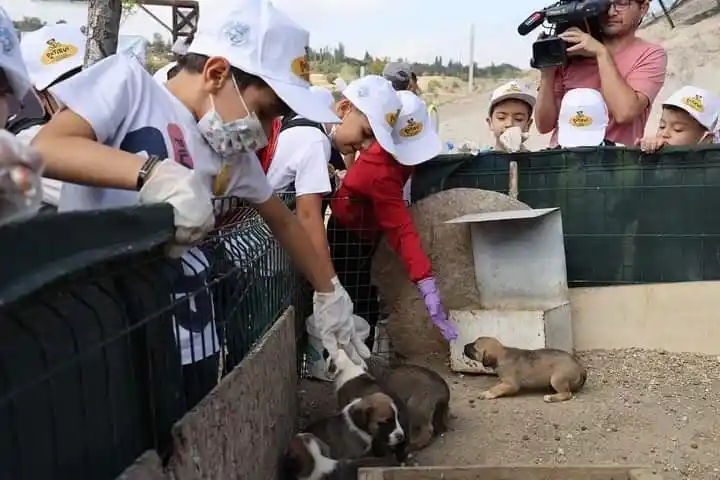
513	88
580	120
391	119
363	92
300	66
57	52
696	103
8	40
412	129
237	33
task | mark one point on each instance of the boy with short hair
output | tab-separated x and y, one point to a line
510	116
124	139
689	117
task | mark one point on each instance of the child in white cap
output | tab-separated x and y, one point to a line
52	53
20	165
510	116
124	140
583	119
689	117
369	203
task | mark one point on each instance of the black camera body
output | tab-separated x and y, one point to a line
550	51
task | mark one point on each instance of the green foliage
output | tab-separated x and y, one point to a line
433	86
28	24
330	78
331	60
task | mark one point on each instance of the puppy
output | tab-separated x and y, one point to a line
425	393
308	458
520	369
353	382
362	427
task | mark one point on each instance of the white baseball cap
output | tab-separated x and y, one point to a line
11	61
416	140
324	95
512	90
161	76
51	52
583	118
259	39
377	99
699	103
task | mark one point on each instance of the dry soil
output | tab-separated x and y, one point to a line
654	409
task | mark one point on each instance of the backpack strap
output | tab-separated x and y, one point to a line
266	154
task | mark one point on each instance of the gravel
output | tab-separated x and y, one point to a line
639	407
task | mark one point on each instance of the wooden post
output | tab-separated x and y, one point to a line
103	28
513	180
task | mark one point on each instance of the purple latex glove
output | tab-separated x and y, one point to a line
428	289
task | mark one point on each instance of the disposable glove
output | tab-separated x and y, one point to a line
179	186
513	139
20	178
428	290
333	313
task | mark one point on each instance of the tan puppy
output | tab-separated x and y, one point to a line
520	369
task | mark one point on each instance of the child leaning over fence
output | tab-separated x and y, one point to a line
370	200
20	165
510	117
689	117
125	139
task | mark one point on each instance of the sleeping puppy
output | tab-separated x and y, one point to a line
308	458
362	427
520	369
352	382
424	392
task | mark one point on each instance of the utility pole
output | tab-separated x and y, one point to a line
103	28
471	67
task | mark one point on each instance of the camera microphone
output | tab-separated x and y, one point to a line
531	23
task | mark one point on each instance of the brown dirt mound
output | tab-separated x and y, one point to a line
450	252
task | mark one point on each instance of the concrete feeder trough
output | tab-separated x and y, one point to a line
519	258
534	472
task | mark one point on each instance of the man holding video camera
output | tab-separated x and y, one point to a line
628	71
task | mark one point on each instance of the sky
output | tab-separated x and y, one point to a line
418	30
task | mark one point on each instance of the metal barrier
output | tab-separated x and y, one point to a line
105	343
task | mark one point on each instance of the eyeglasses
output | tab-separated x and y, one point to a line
621	5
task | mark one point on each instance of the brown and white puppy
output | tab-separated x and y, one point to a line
308	458
520	369
361	428
424	392
353	382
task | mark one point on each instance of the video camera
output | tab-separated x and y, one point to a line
550	51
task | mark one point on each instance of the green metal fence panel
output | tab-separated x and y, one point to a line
90	365
628	217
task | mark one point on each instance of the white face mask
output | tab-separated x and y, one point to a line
230	138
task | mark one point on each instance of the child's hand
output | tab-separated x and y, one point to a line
651	144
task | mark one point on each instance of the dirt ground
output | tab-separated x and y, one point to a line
655	409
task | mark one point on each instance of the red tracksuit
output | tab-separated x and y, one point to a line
368	204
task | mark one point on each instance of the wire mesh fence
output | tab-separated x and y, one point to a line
95	368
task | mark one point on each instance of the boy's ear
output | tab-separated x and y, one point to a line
343	107
489	121
217	71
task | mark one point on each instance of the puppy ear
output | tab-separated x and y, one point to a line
488	360
361	417
290	467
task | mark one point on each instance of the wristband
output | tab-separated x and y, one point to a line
145	171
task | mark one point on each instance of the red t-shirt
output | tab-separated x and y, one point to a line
370	201
642	64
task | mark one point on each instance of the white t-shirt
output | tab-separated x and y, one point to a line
128	110
51	188
301	158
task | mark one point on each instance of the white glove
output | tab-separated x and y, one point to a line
513	139
20	177
333	314
182	188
